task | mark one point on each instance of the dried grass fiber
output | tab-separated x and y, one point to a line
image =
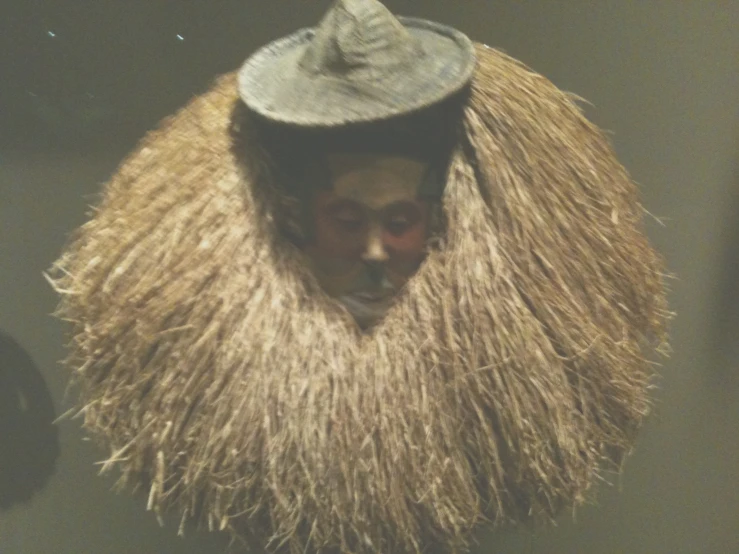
511	373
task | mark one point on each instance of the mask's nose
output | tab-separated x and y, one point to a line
375	252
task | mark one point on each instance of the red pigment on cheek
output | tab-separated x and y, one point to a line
412	243
409	244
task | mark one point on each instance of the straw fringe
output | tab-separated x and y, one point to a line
510	375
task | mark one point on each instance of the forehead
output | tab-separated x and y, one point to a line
375	180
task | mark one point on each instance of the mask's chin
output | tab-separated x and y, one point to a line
367	296
365	310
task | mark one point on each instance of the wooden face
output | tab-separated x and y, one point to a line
369	229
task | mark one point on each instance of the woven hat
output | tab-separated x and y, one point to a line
360	64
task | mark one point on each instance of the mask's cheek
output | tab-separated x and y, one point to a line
407	252
409	243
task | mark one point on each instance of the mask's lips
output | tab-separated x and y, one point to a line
372	297
367	307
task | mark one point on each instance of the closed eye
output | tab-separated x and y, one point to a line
398	225
347	216
401	217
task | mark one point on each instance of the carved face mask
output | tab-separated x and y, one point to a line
370	227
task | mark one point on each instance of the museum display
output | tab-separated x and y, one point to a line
380	287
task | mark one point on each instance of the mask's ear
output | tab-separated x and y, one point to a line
436	176
432	185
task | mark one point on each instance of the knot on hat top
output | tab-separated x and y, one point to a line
360	39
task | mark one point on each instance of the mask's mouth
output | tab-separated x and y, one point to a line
372	297
367	307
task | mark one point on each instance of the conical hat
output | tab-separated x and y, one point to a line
360	64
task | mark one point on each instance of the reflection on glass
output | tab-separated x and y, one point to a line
29	443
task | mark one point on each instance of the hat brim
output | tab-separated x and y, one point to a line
272	83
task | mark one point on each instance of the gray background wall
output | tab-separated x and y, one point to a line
662	75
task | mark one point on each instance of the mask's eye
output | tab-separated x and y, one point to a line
400	218
348	218
398	225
